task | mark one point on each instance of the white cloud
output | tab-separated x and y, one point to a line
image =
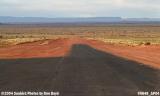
82	7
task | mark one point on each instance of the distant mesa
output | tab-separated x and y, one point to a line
9	19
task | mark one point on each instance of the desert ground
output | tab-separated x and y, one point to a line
80	66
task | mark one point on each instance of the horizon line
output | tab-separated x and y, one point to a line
85	17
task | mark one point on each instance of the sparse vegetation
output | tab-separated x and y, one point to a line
130	34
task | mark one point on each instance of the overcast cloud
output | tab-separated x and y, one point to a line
80	8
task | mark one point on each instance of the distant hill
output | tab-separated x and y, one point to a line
9	19
141	19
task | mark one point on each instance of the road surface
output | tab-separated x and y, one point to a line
84	71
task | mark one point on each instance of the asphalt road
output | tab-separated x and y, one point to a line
85	71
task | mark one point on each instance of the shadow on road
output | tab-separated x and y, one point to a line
85	71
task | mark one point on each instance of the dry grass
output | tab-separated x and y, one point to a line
131	41
121	34
15	41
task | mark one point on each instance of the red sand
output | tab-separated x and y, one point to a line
46	48
149	55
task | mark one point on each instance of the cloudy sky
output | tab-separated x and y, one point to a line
80	8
